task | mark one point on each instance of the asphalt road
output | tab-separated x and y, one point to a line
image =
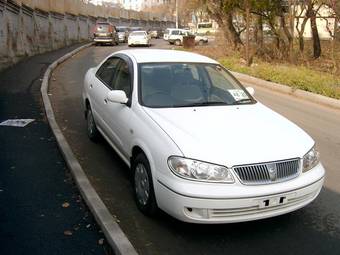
41	211
314	229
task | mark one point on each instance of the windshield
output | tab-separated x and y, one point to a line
187	85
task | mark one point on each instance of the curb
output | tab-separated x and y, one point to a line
312	97
113	233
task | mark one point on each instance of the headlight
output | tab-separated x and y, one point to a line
199	171
310	160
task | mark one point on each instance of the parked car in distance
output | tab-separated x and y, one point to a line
201	39
167	33
137	38
199	145
176	36
123	33
105	33
155	32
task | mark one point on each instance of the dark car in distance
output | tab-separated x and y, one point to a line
105	33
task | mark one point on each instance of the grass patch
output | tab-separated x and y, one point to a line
298	77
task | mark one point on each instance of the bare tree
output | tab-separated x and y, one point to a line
222	12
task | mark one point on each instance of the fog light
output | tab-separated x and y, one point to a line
197	213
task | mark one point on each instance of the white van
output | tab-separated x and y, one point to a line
167	32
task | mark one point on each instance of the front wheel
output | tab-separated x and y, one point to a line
92	131
143	186
178	42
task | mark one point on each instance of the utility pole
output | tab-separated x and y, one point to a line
176	1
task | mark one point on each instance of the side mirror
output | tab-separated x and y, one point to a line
117	96
251	90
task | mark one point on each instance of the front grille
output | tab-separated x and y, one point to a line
266	173
253	210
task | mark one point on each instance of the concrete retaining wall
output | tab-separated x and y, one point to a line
29	27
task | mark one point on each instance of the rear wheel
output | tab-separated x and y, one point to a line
143	186
92	131
178	42
201	42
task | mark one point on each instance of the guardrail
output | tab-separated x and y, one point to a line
26	30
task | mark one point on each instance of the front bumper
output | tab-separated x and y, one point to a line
267	202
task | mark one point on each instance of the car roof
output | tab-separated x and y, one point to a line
158	56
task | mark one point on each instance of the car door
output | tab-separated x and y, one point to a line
99	87
119	115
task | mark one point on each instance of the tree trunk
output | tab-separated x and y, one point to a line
301	43
301	32
315	36
248	34
235	37
288	36
258	33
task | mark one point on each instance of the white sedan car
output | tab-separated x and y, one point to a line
139	38
199	145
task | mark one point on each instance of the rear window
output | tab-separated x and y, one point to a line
121	29
138	33
102	28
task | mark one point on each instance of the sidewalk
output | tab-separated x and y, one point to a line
41	211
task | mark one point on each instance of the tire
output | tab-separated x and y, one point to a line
92	131
143	186
178	42
201	43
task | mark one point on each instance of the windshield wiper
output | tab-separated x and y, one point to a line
201	104
242	101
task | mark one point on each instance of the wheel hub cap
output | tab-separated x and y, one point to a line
142	184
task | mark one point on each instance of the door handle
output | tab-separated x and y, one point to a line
91	86
105	101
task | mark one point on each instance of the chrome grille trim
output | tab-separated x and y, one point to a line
257	174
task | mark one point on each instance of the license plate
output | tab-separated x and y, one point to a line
275	201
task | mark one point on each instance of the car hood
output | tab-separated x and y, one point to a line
232	135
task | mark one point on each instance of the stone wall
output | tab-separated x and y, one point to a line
30	27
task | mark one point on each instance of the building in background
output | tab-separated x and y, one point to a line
139	5
325	21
